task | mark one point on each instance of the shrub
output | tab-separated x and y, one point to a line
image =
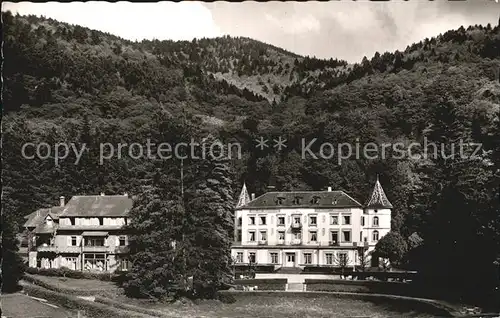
263	284
117	276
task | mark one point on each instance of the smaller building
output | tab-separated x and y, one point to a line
87	233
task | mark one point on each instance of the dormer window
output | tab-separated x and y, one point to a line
280	200
297	200
315	200
334	202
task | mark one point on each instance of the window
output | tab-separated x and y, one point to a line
251	257
280	201
240	221
334	236
274	258
94	262
297	236
314	236
334	220
70	262
307	258
263	236
73	241
346	236
315	200
375	236
251	220
238	236
347	219
361	236
296	200
123	240
375	210
375	221
123	264
262	220
239	257
251	236
95	241
313	220
281	220
281	235
362	221
329	258
296	220
342	257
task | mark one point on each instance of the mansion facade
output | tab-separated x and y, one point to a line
309	229
85	234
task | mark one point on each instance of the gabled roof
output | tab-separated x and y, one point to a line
378	199
35	218
306	199
97	205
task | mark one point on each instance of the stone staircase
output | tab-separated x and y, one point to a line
295	287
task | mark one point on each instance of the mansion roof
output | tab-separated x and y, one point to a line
97	206
35	218
304	199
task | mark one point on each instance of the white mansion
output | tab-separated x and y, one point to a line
313	228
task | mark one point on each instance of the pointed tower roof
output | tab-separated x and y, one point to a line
244	198
378	199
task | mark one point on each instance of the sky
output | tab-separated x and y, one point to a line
345	30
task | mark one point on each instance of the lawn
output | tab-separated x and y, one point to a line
253	305
21	306
290	306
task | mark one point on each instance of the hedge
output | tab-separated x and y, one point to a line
117	276
88	308
263	284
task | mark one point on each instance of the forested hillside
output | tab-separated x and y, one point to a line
65	83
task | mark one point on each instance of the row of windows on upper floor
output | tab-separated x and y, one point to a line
346	236
97	221
313	220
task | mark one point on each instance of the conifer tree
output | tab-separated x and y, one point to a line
209	207
155	228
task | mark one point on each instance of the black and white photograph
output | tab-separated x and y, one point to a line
334	159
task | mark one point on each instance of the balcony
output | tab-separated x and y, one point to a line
96	249
46	248
262	242
333	243
59	249
122	249
296	226
90	227
281	242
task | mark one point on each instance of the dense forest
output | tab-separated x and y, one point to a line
66	83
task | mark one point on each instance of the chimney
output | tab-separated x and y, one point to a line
125	194
61	200
102	194
252	196
329	189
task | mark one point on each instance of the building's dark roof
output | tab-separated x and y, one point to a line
97	205
378	199
44	228
332	199
35	218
